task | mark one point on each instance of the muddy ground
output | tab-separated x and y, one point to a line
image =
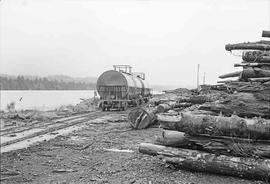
91	155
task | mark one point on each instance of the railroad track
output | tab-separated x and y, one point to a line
34	133
39	124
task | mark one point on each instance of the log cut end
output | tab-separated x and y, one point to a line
141	118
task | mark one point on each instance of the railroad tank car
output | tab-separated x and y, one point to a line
120	88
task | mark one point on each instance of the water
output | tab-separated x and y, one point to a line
42	99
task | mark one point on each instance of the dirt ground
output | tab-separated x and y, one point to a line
105	150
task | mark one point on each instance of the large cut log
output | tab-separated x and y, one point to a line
218	145
266	34
254	73
228	75
142	117
249	168
194	124
256	56
168	122
261	45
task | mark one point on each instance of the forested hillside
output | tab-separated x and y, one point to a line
24	83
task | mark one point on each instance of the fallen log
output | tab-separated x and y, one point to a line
249	168
228	75
142	117
260	45
193	124
218	145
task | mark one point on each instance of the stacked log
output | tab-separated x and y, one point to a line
256	61
256	56
194	160
260	45
234	126
143	117
221	129
216	144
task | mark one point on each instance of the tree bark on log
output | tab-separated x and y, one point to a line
234	126
142	117
228	75
261	45
256	56
249	168
168	122
242	104
254	73
218	145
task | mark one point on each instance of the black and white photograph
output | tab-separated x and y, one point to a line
135	91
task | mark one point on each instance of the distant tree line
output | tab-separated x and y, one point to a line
22	83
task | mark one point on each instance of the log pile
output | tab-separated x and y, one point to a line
221	129
255	60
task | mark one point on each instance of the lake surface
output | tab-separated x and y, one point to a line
42	99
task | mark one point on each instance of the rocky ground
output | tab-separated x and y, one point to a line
103	150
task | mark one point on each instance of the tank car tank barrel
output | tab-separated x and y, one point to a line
266	34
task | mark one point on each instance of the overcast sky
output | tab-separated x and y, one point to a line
164	39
